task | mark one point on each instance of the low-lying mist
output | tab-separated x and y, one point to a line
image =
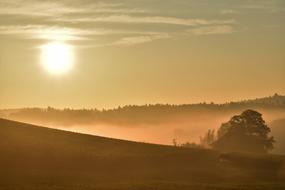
155	123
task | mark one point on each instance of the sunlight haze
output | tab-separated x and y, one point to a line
142	94
139	52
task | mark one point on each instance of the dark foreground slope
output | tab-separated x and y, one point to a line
33	157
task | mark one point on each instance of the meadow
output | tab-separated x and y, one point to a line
34	157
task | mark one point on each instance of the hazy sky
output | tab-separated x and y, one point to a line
141	51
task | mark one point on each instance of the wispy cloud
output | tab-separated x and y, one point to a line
256	6
92	20
129	41
148	19
265	6
59	8
45	32
230	11
130	37
36	8
222	29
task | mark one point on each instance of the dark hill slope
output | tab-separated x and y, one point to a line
33	157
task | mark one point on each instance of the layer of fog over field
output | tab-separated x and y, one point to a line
157	123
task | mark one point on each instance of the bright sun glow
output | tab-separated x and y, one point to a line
57	57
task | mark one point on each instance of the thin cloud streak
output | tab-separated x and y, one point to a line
129	37
230	11
66	34
66	21
56	8
148	20
36	8
209	30
129	41
44	32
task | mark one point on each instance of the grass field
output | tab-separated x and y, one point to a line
33	157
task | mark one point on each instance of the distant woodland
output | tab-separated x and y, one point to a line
136	115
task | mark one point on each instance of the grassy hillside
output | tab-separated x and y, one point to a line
34	157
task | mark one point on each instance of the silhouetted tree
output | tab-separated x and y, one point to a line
207	140
174	142
247	132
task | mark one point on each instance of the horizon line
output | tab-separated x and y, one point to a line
146	104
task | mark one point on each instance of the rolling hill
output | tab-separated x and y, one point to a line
34	157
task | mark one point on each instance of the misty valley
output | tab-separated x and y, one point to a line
142	95
159	124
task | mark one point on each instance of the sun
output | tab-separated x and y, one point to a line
57	57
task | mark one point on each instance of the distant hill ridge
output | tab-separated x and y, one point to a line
276	100
136	114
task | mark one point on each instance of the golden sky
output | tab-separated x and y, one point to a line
140	51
